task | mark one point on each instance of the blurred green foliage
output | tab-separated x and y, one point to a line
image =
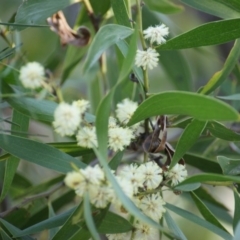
198	58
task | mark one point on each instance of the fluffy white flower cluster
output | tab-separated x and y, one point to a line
156	34
119	138
132	178
119	135
124	112
145	232
93	181
87	137
68	117
146	177
176	174
135	181
141	231
32	75
149	58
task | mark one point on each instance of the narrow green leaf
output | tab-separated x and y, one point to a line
114	163
102	116
40	212
189	136
12	162
36	12
236	216
120	12
23	25
6	53
88	218
13	95
105	37
113	223
188	187
179	102
95	92
41	110
237	232
71	148
164	6
106	222
70	227
38	153
204	194
130	57
213	179
219	8
123	47
51	214
18	217
220	131
21	181
100	8
89	117
219	77
202	163
230	97
52	222
127	89
12	229
5	157
206	213
173	226
193	218
82	234
229	166
205	35
40	187
4	235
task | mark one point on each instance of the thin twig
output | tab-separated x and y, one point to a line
31	199
96	20
139	22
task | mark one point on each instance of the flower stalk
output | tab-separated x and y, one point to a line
139	23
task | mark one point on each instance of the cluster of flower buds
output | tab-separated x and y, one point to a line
68	117
149	58
141	183
32	75
69	120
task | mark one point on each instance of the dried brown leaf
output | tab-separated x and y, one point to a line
59	25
